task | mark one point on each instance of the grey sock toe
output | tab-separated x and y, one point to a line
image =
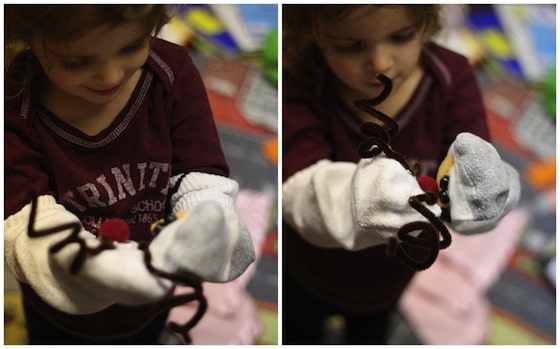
243	254
201	242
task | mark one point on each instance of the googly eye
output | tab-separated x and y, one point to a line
444	182
170	218
444	197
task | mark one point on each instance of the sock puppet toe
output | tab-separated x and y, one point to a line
243	254
202	242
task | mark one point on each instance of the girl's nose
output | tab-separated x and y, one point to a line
110	73
379	59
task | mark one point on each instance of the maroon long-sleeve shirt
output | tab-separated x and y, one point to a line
314	127
166	128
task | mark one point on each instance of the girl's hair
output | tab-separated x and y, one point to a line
66	23
303	59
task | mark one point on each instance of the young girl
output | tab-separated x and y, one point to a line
334	259
104	121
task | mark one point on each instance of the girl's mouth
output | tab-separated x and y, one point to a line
106	91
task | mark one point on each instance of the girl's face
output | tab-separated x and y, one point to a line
97	66
357	47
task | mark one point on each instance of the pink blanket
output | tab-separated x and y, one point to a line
446	303
242	327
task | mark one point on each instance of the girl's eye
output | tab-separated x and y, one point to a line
403	37
134	47
351	47
80	64
71	66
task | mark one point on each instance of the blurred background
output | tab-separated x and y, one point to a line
235	48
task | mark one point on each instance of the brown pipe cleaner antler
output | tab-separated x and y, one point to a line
377	142
184	278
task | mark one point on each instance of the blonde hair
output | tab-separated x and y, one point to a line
301	56
64	23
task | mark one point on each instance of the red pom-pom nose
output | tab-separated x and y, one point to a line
115	229
428	184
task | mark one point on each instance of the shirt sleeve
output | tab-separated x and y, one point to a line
24	163
304	135
194	137
466	112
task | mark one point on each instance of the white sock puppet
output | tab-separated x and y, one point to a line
204	243
348	205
